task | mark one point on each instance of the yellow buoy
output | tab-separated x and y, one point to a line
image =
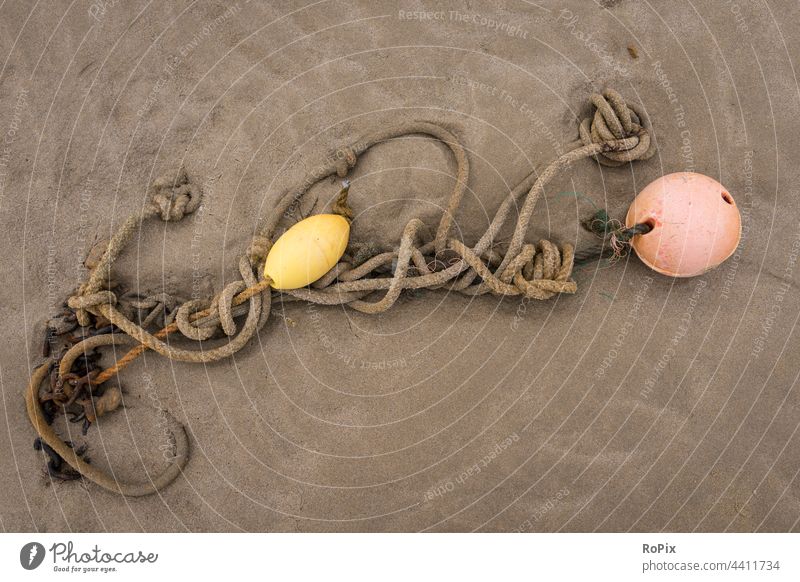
307	251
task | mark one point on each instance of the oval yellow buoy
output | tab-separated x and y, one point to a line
307	251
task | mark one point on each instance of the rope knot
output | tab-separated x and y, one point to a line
86	304
622	128
174	196
345	160
545	273
220	308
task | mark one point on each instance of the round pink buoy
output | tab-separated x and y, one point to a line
695	224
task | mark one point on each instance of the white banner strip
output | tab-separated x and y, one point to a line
401	557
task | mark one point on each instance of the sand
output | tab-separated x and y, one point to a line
641	403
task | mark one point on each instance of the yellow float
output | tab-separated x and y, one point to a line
307	251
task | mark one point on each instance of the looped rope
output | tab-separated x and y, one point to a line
186	327
622	128
88	303
160	308
174	198
618	133
535	273
219	309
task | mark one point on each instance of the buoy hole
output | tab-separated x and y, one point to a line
727	198
650	223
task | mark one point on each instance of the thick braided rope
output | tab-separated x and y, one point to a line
615	120
616	133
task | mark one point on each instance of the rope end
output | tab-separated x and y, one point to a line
340	205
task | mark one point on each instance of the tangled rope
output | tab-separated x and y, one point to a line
616	133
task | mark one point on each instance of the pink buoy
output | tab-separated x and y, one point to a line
695	224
